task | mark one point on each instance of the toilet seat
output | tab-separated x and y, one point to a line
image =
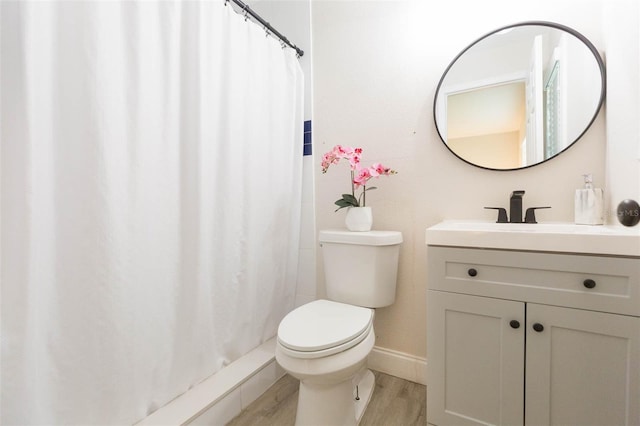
322	328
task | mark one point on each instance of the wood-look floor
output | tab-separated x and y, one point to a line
395	402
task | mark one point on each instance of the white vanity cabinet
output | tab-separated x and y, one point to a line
536	338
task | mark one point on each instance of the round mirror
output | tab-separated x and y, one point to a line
519	96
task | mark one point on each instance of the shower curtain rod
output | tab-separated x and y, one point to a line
267	26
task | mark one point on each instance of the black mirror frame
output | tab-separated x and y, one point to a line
569	30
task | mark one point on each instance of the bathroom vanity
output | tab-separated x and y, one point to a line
535	324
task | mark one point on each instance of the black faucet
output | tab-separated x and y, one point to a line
515	213
515	207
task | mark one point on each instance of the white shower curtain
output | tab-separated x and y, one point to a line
151	166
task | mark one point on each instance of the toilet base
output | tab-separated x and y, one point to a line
365	382
335	404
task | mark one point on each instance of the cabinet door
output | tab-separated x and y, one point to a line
583	367
475	360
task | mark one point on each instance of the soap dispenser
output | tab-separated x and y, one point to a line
589	204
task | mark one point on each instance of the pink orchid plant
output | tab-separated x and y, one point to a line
359	175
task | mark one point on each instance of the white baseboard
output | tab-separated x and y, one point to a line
398	364
221	397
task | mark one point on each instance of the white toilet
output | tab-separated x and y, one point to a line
325	343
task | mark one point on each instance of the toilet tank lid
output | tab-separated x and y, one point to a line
369	238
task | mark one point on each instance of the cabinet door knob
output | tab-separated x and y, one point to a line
514	324
538	327
472	272
589	283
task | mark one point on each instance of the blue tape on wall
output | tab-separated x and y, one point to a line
306	147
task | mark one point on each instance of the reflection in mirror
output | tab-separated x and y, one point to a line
519	95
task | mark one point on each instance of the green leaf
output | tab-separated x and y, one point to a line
347	200
343	203
350	199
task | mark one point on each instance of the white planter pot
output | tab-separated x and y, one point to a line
359	219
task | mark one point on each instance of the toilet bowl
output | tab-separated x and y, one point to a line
325	343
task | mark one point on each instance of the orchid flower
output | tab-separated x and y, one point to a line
359	175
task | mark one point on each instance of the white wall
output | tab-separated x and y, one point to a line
622	43
376	65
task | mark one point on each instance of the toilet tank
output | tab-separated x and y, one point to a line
361	268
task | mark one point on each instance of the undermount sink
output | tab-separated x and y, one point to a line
553	237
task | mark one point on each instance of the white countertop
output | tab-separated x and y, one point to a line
555	237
